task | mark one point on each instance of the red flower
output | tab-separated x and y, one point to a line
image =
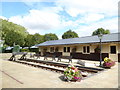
73	68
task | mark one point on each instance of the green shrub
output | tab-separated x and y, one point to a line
34	50
24	50
2	49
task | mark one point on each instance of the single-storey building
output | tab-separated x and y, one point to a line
86	48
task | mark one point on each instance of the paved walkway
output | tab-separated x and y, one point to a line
15	75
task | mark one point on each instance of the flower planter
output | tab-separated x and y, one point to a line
75	80
108	63
72	80
106	67
72	74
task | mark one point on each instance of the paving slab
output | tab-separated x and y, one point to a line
31	77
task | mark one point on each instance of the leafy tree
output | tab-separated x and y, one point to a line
50	36
100	30
8	29
14	37
69	34
29	40
38	38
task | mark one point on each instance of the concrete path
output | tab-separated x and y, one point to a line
16	75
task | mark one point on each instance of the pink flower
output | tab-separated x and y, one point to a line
76	69
109	64
76	77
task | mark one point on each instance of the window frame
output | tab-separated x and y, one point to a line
66	49
86	49
112	50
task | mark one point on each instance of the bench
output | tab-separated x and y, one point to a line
37	55
13	58
50	56
65	57
32	55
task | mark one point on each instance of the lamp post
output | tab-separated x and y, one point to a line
100	37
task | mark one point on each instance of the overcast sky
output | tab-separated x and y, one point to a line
58	16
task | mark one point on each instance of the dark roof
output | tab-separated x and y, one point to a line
83	40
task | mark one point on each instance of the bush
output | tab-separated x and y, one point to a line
24	50
34	50
2	49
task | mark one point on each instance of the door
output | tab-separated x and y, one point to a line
113	53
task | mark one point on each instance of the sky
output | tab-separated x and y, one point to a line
58	16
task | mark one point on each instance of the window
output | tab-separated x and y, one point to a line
51	49
66	49
86	49
113	49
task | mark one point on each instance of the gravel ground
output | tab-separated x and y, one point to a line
17	75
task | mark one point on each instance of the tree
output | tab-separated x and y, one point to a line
8	28
38	38
29	40
50	36
69	34
14	37
100	30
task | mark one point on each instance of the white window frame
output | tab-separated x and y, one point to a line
66	49
86	49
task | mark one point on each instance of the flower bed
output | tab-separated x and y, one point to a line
72	74
108	63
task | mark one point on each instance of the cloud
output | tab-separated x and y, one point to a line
38	20
3	17
93	17
88	14
110	24
76	7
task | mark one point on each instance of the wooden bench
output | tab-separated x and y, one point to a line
13	58
50	56
65	57
37	55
